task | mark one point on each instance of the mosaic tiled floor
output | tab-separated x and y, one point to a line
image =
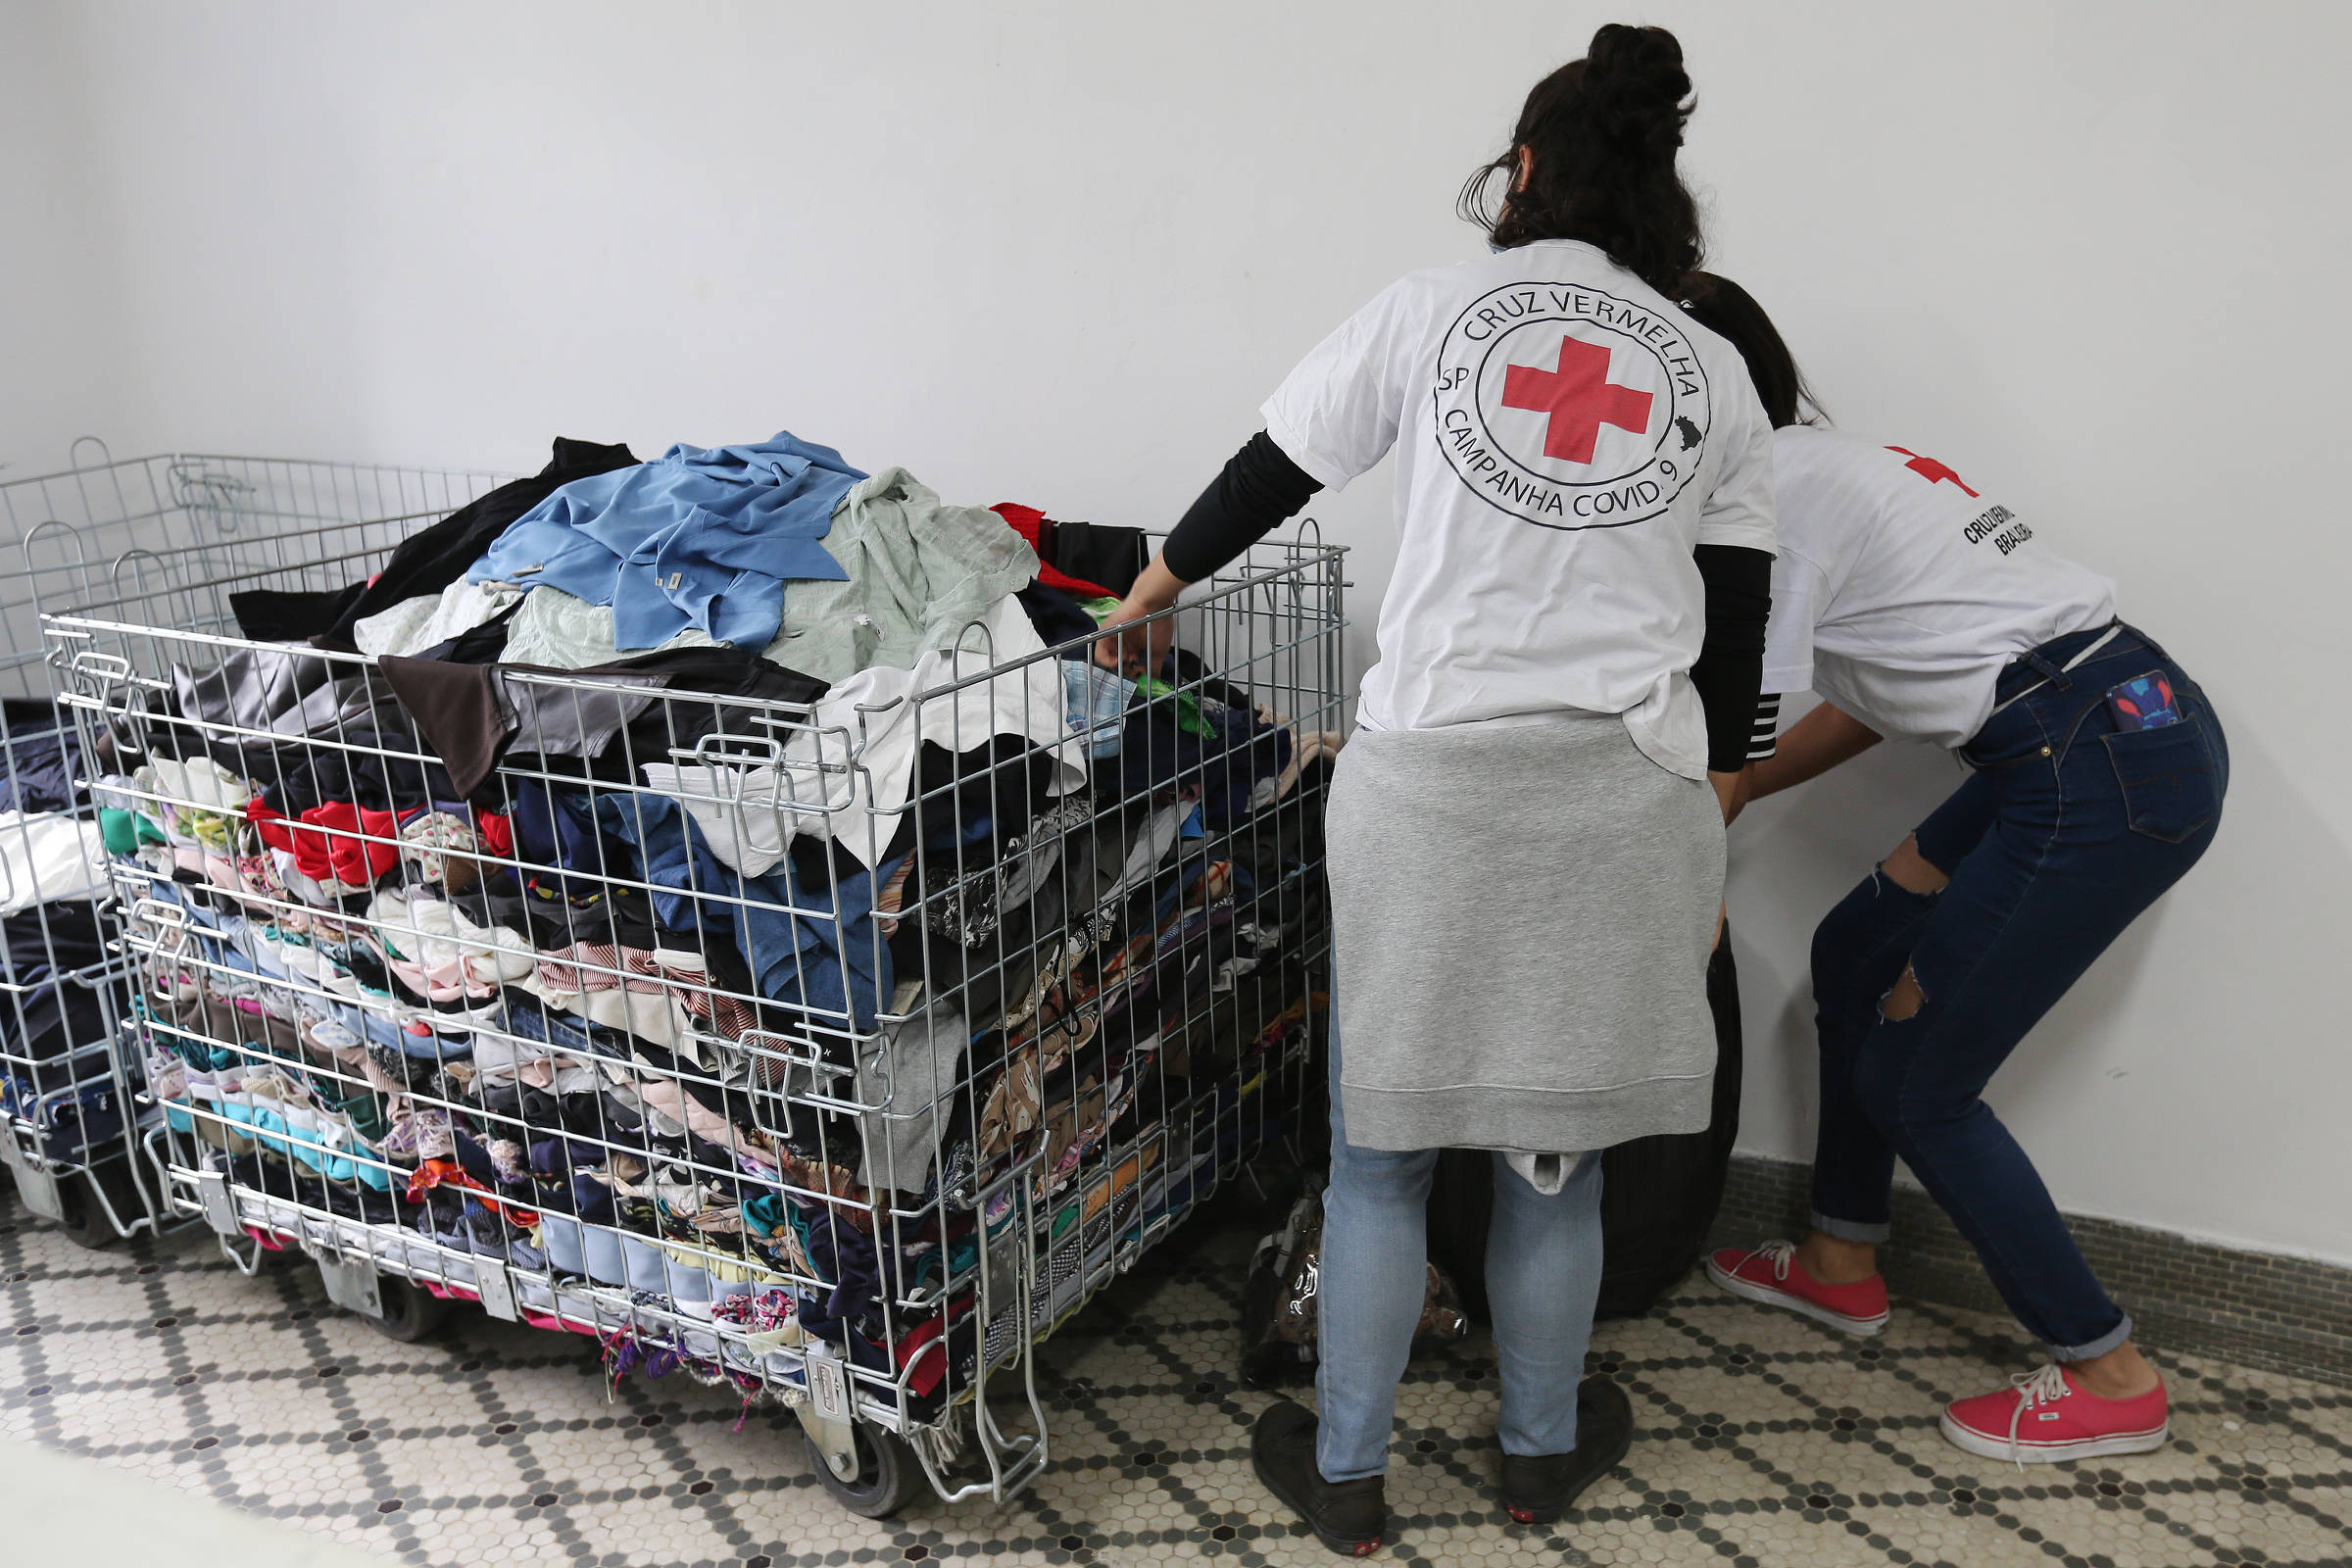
1764	1439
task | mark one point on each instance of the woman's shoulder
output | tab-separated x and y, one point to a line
1833	487
1819	455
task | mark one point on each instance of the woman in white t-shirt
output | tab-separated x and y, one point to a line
1525	855
1918	605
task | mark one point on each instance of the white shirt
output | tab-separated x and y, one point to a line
848	772
1565	436
1901	590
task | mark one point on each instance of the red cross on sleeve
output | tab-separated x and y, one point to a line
1933	471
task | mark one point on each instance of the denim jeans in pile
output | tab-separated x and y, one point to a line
1542	1277
2066	831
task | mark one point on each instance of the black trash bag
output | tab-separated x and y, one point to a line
1658	1195
1278	1307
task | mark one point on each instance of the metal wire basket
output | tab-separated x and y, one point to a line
835	1045
71	1120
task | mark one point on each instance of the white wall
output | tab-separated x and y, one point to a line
2089	254
62	351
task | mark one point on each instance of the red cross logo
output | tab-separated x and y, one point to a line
1578	397
1927	467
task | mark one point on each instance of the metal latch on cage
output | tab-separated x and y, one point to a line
825	1417
37	1189
217	1204
495	1289
352	1283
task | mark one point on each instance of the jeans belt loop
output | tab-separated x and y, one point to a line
2055	674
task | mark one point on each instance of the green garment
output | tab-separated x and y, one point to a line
124	831
1188	706
919	572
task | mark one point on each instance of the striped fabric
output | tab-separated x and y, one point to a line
1763	736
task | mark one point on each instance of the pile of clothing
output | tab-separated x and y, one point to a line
53	1020
723	876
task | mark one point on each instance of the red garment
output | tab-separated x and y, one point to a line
1031	523
325	841
909	1355
495	832
434	1173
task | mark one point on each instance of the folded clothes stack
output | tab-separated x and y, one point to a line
735	855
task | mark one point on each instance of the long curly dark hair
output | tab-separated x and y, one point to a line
1603	131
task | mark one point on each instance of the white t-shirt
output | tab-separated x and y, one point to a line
1900	591
1565	437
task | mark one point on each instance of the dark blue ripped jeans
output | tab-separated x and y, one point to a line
2065	832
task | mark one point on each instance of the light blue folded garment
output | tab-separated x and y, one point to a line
702	537
273	1131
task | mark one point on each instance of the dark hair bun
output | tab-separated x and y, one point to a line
1636	91
1593	159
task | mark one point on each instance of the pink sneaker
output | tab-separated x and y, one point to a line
2044	1417
1771	1274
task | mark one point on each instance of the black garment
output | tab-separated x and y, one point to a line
1003	783
1260	487
472	713
424	562
40	756
968	808
1158	748
1098	552
43	944
374	761
1730	661
677	721
288	615
1056	614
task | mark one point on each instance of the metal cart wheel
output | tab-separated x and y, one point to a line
888	1479
81	1212
411	1311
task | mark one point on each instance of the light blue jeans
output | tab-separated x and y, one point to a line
1543	1278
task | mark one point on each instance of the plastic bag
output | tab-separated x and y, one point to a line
1280	1305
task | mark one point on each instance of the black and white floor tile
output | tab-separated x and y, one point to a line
1764	1439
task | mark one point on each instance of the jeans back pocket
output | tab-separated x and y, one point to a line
2167	776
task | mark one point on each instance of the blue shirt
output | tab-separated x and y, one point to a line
703	536
814	949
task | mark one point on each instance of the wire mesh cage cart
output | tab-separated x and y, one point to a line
70	1115
831	1042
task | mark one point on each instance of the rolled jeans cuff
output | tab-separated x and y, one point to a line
1850	1230
2097	1348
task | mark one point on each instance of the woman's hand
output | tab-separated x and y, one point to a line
1137	637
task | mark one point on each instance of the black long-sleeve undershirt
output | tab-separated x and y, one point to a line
1730	671
1261	487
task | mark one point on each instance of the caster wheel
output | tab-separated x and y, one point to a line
411	1311
888	1478
83	1215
